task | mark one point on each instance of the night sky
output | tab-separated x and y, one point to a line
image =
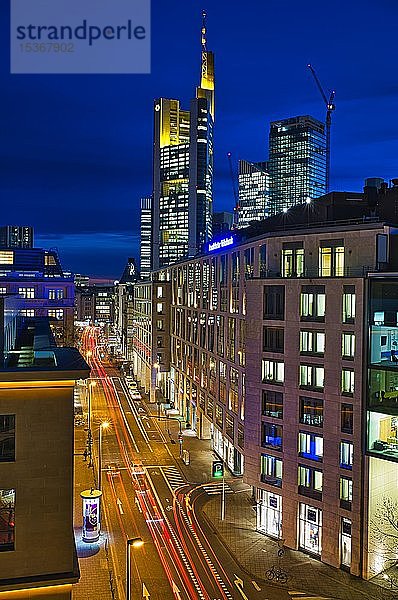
76	150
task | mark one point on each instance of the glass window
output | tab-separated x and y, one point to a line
26	292
274	302
311	376
383	434
346	455
331	261
312	305
311	411
347	382
310	482
312	342
345	493
310	528
310	446
7	520
273	371
273	339
6	257
347	418
7	438
271	470
293	262
272	436
273	404
348	345
348	304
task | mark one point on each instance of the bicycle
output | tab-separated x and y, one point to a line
276	573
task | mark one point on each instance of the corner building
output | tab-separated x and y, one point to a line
269	358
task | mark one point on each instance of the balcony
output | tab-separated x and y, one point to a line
314	273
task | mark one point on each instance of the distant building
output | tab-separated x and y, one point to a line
124	318
37	276
95	303
37	548
82	280
254	192
16	236
222	223
183	171
297	161
146	238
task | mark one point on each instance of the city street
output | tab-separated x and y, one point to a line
147	496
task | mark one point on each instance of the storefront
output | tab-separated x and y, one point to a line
345	542
310	529
269	513
226	450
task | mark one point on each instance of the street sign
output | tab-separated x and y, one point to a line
218	468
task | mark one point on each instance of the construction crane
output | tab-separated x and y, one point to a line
330	107
235	191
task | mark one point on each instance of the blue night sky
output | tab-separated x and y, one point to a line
76	149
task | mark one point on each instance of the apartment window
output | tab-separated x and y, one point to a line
159	308
311	411
346	455
273	371
348	345
57	313
274	302
347	382
312	377
26	292
271	470
310	482
347	418
27	312
273	339
312	342
160	325
3	290
312	303
7	439
272	436
345	493
6	257
273	404
331	258
310	446
292	261
7	520
159	292
348	304
56	294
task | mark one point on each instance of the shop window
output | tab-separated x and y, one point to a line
310	446
7	520
271	470
310	526
269	513
273	404
311	411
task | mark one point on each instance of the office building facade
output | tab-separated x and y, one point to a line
254	192
16	236
183	171
297	161
271	331
146	238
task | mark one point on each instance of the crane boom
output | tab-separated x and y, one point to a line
330	107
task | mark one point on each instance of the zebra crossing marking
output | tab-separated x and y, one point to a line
215	489
173	477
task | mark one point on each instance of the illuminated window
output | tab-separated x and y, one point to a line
311	376
310	446
26	292
331	260
3	290
272	436
346	455
348	345
347	418
310	482
28	312
312	303
6	257
292	262
311	411
348	304
312	342
56	313
273	371
345	493
271	470
273	404
7	520
347	382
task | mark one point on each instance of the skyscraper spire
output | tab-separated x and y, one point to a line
204	47
206	88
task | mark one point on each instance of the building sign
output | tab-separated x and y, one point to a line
218	468
220	244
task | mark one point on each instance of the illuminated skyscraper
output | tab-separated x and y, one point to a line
254	192
16	236
297	161
183	171
146	238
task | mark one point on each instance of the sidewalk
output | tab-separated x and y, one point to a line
95	574
256	552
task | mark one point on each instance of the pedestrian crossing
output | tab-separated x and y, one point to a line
173	477
214	489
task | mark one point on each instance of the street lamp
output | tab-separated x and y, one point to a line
103	425
156	366
136	542
91	384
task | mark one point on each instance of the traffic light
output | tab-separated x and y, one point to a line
218	468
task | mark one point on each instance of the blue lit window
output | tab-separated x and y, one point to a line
310	446
346	455
272	436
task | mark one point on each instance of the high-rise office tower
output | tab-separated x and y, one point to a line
297	161
183	171
16	236
254	192
146	237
